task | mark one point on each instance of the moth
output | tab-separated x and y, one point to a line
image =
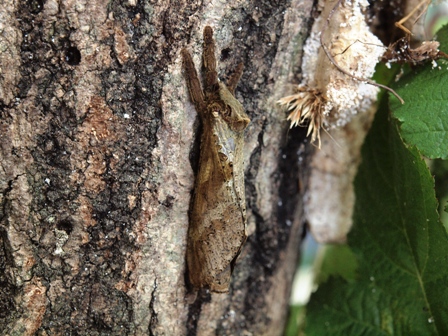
401	52
217	228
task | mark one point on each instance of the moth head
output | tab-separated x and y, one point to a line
230	109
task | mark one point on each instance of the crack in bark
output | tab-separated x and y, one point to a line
194	310
153	321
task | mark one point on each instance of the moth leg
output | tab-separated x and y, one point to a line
209	61
193	83
400	23
232	82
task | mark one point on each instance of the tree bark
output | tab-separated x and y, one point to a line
99	149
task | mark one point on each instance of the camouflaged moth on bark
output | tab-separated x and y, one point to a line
217	229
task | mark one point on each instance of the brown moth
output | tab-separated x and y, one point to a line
217	229
401	52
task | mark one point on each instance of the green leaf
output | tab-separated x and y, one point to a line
439	169
424	115
442	37
402	248
338	260
295	320
340	308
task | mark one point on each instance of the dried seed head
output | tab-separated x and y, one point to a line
306	107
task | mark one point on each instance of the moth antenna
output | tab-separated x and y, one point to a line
235	78
328	133
193	82
400	23
209	61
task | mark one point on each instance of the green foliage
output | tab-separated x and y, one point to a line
439	169
424	115
442	37
338	260
402	249
295	320
399	242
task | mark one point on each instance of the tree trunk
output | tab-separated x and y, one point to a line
99	149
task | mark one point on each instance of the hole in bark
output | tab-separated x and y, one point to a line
65	225
36	6
72	56
225	53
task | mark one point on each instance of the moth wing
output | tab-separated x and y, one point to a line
217	228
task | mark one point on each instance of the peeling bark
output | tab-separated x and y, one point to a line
99	150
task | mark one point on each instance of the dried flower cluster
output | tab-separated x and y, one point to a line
307	106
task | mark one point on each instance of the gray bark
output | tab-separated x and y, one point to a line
99	147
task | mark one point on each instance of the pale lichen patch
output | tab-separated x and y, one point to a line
355	49
333	99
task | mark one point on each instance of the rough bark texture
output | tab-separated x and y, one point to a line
98	153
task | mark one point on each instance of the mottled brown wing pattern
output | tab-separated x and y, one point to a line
217	229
